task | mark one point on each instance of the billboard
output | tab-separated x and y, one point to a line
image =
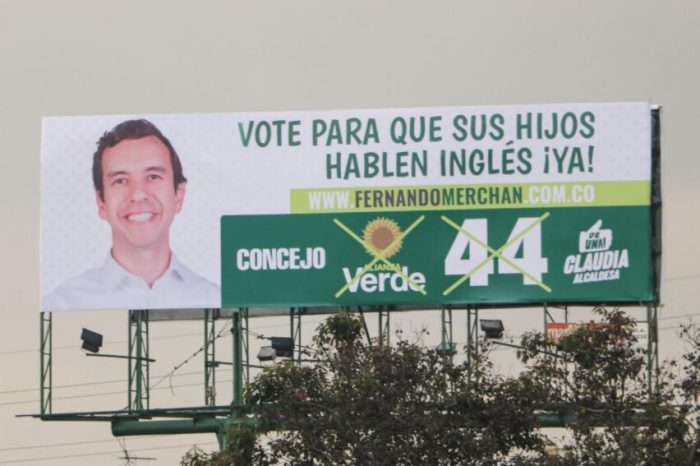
547	202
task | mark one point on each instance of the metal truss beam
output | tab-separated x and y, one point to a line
447	345
139	361
295	314
210	363
472	335
653	349
46	376
384	320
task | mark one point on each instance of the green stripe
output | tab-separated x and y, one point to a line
468	197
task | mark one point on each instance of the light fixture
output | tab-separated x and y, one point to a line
284	346
267	353
279	346
492	328
446	348
92	341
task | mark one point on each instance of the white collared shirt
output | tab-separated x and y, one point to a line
112	287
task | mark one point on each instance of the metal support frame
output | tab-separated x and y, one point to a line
245	356
364	323
549	318
472	335
295	314
447	345
139	361
210	363
384	320
46	351
139	419
237	333
653	349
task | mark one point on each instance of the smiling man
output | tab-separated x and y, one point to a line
139	188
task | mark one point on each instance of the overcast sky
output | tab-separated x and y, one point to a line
88	57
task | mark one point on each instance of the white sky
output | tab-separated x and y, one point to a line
95	57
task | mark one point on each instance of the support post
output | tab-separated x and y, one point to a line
139	365
652	349
384	317
472	336
364	324
210	363
549	318
221	437
46	350
295	331
244	343
237	332
446	341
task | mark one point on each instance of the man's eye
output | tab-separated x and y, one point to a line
154	177
118	181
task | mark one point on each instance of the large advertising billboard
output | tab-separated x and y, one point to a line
501	204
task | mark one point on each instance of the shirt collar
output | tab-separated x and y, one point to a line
114	274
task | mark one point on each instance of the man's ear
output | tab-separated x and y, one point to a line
101	209
180	196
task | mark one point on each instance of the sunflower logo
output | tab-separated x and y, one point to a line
382	236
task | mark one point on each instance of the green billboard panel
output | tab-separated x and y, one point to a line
490	256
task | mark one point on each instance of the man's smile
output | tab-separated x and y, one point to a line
140	217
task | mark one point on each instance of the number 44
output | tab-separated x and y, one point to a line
471	241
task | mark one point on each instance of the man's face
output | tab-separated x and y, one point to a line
139	200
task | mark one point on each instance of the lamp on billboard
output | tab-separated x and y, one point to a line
92	341
492	328
446	348
284	346
279	346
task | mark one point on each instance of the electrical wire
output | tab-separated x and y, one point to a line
679	317
682	277
52	445
81	455
170	374
92	395
222	333
86	384
64	347
83	442
165	337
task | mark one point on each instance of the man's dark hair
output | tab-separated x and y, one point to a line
132	129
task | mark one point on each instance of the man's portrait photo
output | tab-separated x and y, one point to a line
139	190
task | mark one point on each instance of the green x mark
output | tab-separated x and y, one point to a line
495	253
379	256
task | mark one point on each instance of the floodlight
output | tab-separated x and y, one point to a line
492	328
284	346
92	341
446	348
267	353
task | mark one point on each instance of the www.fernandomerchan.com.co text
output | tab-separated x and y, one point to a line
450	197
